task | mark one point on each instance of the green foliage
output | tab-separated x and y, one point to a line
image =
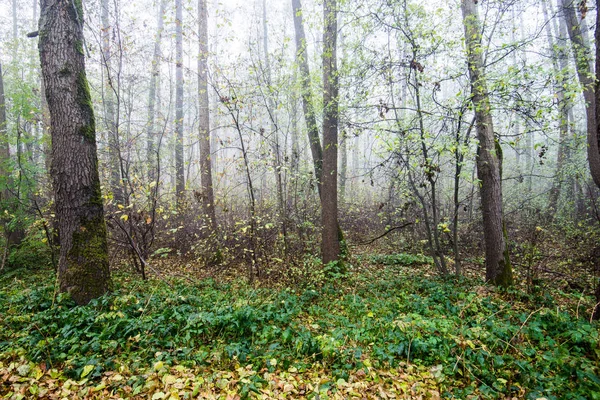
473	340
401	259
32	253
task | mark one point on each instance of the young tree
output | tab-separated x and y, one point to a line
179	168
6	197
307	105
330	248
208	198
109	106
497	263
154	73
83	269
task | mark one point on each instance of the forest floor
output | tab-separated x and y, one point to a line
386	328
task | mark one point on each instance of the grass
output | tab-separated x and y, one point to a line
384	329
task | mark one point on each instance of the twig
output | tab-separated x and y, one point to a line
521	328
385	233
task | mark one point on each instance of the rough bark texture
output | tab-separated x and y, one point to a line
583	58
83	269
596	163
179	170
208	198
151	138
497	264
330	248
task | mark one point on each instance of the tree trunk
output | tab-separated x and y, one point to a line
309	112
330	248
151	138
109	107
559	64
179	170
208	198
278	168
497	263
344	131
83	269
582	57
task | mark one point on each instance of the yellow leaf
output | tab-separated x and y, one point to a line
86	370
124	217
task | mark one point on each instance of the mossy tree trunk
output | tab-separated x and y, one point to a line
83	269
498	269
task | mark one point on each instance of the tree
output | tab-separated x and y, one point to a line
583	64
154	73
83	268
179	170
109	107
307	105
330	248
497	262
208	198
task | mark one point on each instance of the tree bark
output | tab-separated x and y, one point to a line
179	170
582	56
559	64
5	195
275	147
151	138
309	112
208	198
109	107
497	263
83	269
330	247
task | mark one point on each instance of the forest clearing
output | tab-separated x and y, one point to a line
320	199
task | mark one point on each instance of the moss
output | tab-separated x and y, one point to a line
504	277
79	47
86	272
77	11
84	98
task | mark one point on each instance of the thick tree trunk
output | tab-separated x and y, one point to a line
208	198
83	269
330	248
179	169
151	139
497	263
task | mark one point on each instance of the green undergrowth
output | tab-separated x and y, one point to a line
472	339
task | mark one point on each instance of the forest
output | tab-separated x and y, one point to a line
302	199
